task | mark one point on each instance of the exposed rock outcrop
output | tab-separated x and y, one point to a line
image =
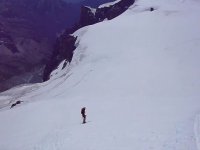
65	44
112	11
64	48
90	15
28	31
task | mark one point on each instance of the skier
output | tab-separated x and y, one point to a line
83	114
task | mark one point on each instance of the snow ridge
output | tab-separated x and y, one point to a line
109	4
197	131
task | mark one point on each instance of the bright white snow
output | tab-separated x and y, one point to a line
109	4
93	10
138	76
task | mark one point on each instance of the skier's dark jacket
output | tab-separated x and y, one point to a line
83	112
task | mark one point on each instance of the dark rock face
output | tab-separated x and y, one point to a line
113	11
21	52
89	17
28	31
64	48
46	16
65	44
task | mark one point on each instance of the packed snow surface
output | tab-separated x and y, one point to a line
93	10
138	77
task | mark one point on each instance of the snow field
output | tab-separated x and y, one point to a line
138	77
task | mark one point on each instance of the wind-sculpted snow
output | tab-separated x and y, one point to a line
138	77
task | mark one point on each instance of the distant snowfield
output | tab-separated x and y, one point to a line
138	76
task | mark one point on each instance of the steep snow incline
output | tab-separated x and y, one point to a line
138	76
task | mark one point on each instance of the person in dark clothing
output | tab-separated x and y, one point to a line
83	114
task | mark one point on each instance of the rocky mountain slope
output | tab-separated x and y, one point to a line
28	30
65	44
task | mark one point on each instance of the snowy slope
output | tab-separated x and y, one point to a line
138	76
109	4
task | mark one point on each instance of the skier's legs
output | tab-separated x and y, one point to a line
84	119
